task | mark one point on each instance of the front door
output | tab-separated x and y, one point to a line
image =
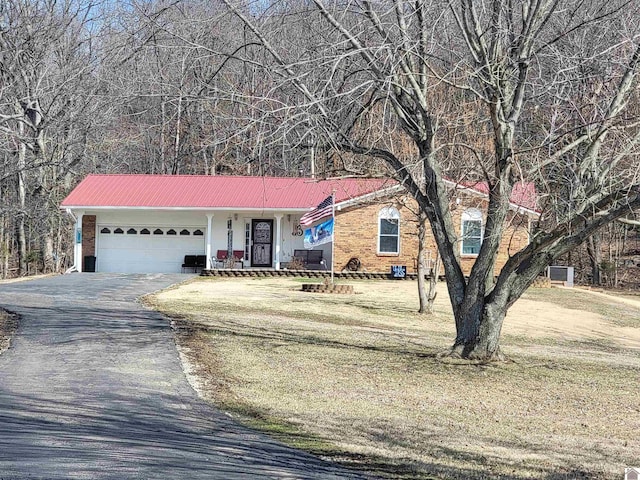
262	243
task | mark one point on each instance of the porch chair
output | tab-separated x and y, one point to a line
222	259
219	260
238	256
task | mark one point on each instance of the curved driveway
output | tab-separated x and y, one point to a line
93	388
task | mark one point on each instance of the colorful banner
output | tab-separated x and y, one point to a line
319	234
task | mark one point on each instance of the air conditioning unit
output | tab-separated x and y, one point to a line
560	274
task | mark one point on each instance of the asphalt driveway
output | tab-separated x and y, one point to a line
92	388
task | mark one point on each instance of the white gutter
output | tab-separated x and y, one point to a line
191	209
378	194
74	267
70	212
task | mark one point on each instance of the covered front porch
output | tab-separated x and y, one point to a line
135	240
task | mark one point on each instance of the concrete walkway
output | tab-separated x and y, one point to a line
92	388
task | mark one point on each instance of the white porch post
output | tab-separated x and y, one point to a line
278	239
209	237
77	260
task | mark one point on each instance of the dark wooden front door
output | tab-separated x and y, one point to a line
262	236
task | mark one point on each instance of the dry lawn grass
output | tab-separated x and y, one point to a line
357	378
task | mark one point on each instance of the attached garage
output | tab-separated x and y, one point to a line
146	249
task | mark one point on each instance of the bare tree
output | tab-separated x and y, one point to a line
519	69
46	62
178	109
428	268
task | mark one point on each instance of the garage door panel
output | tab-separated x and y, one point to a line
136	253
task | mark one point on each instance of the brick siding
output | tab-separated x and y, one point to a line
88	236
356	235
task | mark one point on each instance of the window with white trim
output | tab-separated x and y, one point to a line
471	231
389	230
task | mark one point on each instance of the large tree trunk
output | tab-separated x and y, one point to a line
6	255
594	250
479	337
4	243
46	231
3	253
58	248
46	250
22	206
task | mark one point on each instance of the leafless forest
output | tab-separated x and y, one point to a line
498	91
112	87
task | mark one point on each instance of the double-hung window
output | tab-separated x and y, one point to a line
471	231
389	231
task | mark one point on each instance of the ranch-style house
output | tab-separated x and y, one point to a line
156	223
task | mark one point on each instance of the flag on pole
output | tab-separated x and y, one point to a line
318	214
318	235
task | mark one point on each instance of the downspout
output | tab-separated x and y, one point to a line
74	267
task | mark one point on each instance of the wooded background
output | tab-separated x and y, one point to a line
90	87
186	87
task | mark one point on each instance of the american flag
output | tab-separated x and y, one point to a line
323	210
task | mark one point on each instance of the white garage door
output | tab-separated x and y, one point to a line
145	249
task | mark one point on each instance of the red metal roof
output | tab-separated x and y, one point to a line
523	193
222	191
205	191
